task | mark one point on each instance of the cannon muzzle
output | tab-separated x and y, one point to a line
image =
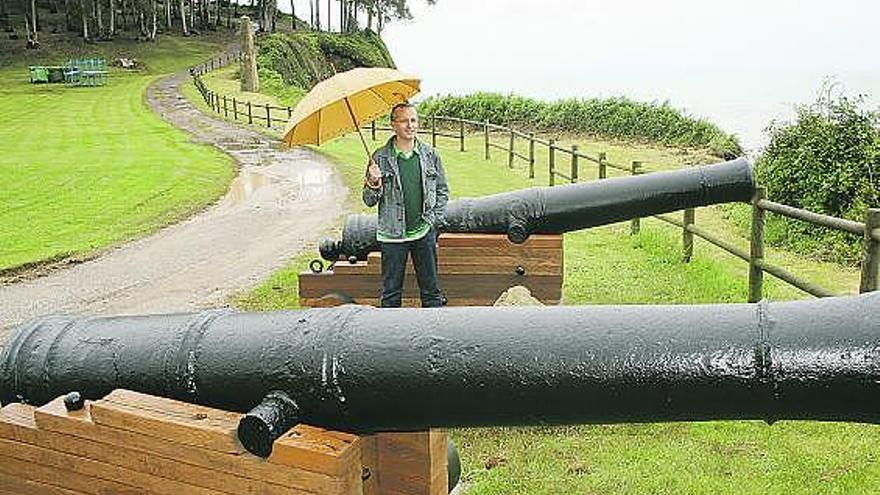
555	210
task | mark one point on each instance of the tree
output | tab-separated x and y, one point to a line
182	9
85	19
292	16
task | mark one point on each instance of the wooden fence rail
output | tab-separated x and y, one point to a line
454	128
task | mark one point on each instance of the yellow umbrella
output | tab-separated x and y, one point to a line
346	101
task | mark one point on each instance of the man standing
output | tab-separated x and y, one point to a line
406	178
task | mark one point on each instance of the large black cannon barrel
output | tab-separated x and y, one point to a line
363	369
555	210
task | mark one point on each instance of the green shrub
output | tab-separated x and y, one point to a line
827	161
617	118
303	59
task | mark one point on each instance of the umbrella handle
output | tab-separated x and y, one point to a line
357	126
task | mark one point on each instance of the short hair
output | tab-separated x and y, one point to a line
397	107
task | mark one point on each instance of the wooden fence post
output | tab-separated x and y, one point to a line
552	162
289	113
373	129
510	151
636	223
602	167
461	133
487	138
574	163
234	108
871	257
531	155
225	109
434	131
756	250
250	114
687	237
268	116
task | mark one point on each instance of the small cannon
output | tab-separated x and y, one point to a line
555	210
362	369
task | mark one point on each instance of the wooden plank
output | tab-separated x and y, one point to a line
543	241
409	302
464	262
165	470
181	422
479	251
54	417
465	286
458	266
23	486
33	454
370	463
312	448
162	468
47	475
412	463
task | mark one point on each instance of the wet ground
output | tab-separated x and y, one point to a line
280	203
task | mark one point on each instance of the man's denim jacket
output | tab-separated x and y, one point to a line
389	195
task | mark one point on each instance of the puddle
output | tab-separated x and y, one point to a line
292	176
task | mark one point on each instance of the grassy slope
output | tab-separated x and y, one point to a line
87	168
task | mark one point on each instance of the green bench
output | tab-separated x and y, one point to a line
46	74
77	72
86	72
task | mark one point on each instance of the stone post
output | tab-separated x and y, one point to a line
250	81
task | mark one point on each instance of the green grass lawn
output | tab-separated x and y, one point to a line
608	266
87	168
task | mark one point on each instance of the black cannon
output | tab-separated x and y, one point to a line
362	369
555	210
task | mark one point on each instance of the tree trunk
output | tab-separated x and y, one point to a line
379	18
328	16
99	17
192	14
112	17
153	27
85	19
68	24
33	16
317	21
168	21
292	16
31	38
183	17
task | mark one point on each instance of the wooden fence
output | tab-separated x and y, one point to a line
245	111
455	128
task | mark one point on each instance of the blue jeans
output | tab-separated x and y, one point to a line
424	255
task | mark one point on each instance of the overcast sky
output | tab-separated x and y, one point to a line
738	63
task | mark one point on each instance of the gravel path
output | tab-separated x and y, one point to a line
280	203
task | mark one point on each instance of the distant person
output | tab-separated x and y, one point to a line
406	178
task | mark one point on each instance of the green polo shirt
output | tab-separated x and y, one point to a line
410	170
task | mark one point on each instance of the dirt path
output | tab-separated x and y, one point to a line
280	203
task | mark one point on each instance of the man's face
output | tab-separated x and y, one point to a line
405	123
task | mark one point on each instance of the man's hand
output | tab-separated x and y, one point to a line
374	175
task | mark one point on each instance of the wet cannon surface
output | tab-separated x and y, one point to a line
362	369
566	208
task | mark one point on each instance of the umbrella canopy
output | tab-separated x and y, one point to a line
345	101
